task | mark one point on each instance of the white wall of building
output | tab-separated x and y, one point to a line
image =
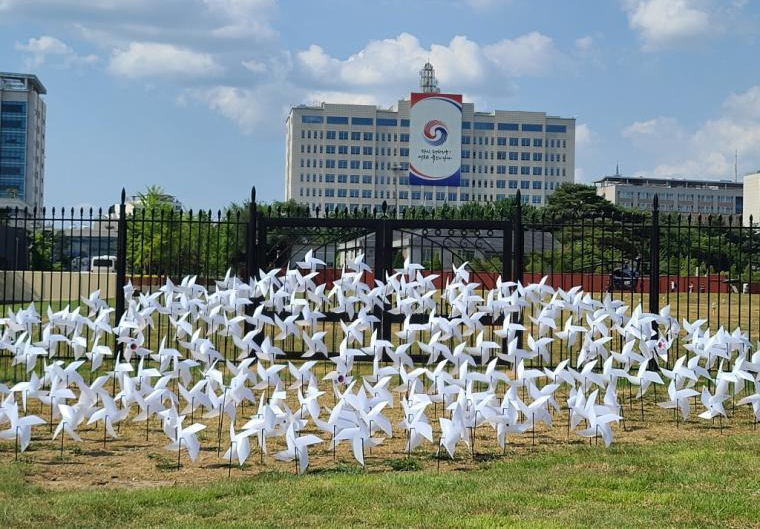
752	198
674	195
356	156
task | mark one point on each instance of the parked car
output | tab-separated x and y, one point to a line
625	277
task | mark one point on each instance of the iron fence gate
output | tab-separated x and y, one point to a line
702	267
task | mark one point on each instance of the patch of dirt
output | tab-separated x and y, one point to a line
132	461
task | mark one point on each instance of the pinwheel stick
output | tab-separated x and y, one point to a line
229	466
105	430
63	430
52	405
221	423
17	427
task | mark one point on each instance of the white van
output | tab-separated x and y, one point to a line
103	264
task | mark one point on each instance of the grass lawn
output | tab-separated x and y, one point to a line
703	482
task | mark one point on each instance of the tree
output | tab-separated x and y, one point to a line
578	201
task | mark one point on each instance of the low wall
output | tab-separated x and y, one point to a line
17	286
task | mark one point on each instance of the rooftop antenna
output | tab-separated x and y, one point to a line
428	82
736	165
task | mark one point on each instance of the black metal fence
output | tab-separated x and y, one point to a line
702	267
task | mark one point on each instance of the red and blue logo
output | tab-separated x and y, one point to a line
435	133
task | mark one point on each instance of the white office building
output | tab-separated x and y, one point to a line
751	189
675	195
22	141
357	156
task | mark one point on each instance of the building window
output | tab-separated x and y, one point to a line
483	125
337	120
530	127
312	119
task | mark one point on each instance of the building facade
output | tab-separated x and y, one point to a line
751	188
22	141
687	197
357	156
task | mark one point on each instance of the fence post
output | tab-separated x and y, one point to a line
384	264
121	258
654	258
250	237
519	241
519	249
250	256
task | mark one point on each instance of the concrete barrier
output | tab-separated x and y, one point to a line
20	286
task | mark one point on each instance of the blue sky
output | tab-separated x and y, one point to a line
192	94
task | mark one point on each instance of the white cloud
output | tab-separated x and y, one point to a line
655	129
47	49
584	136
348	98
152	59
663	22
528	55
388	68
708	152
482	5
244	18
584	44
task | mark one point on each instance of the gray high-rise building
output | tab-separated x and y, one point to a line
22	141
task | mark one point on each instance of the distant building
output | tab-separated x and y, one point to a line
752	198
134	202
22	141
341	156
687	197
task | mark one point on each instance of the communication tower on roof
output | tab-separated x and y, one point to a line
428	82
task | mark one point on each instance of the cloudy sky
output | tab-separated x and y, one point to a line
192	94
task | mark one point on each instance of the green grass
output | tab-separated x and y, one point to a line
696	483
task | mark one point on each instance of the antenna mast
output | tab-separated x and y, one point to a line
428	82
